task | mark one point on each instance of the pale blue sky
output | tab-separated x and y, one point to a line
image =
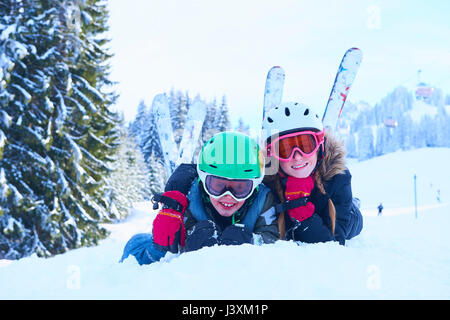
216	47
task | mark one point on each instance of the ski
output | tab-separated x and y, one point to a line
344	78
192	129
161	114
273	92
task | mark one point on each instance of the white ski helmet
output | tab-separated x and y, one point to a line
290	117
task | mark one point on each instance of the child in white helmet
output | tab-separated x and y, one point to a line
310	166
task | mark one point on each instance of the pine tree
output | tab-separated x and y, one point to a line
35	70
157	174
130	179
350	146
178	104
98	138
242	127
380	141
150	143
209	125
60	133
365	143
223	119
447	100
140	124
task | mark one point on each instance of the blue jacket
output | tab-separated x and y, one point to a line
142	247
199	212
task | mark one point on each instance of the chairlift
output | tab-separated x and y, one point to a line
391	123
423	91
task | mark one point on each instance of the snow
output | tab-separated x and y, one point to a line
24	92
2	139
397	256
7	31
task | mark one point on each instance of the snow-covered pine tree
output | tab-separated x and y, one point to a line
223	119
34	59
152	153
350	145
179	104
98	135
129	181
57	71
365	143
380	140
404	131
442	127
150	144
242	126
209	125
157	174
139	125
437	98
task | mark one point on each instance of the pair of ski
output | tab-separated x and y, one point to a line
173	156
345	75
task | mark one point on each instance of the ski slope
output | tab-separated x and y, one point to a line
397	256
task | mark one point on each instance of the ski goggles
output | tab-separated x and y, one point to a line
306	142
239	189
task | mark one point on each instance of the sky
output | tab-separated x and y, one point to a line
215	48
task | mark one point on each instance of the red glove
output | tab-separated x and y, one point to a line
298	188
168	226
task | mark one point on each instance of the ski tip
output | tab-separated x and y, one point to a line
356	50
276	69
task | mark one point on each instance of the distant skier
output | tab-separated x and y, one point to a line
438	196
380	209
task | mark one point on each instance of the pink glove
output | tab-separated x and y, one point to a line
298	188
168	226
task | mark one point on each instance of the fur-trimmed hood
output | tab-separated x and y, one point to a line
334	161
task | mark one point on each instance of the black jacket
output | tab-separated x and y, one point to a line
332	180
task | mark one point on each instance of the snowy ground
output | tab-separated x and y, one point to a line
397	256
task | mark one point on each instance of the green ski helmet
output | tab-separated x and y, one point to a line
231	155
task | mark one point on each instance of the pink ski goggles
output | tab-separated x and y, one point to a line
306	142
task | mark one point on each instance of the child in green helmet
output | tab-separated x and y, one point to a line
226	205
